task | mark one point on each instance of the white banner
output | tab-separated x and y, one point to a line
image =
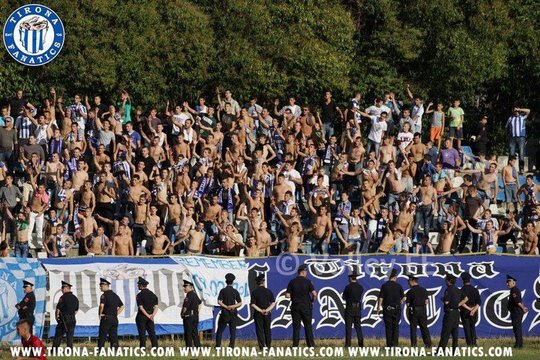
165	278
208	274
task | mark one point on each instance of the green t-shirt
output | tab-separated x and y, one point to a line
126	115
455	115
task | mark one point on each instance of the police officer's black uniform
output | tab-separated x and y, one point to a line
469	322
352	295
67	307
147	300
417	298
299	291
228	296
27	305
391	294
263	298
108	324
450	325
190	316
516	313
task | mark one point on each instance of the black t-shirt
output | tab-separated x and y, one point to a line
452	295
471	206
262	297
300	289
352	293
147	299
329	111
391	294
111	303
16	104
417	296
68	304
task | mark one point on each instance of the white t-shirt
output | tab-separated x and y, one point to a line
374	110
404	139
377	129
289	176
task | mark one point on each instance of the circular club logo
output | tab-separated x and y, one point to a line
34	35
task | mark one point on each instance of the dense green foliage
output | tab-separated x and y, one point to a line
483	51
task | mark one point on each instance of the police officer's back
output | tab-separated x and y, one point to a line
229	299
517	309
468	311
352	295
391	296
28	304
451	301
417	298
190	315
147	307
302	294
262	302
109	307
66	309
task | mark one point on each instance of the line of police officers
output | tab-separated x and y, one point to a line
459	304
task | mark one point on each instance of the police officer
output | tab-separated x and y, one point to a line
352	295
147	307
262	302
190	315
229	300
28	303
391	296
417	299
66	309
516	309
302	294
469	310
110	306
451	300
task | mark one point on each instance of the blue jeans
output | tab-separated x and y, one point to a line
372	145
21	249
424	216
518	141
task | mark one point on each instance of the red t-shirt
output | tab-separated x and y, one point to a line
34	342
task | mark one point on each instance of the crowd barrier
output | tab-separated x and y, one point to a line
329	276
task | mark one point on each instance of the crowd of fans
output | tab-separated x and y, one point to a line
84	177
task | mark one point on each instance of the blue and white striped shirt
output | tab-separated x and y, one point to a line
24	125
516	125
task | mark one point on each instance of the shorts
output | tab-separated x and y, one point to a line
456	133
510	192
435	133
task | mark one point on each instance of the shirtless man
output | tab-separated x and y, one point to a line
160	242
122	245
263	239
87	198
232	241
357	232
58	244
394	187
136	189
64	202
79	177
387	152
322	231
427	208
54	169
389	240
87	227
446	238
196	239
280	188
99	244
152	221
357	152
530	239
21	230
417	149
105	195
510	181
405	221
294	238
100	158
489	235
156	150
